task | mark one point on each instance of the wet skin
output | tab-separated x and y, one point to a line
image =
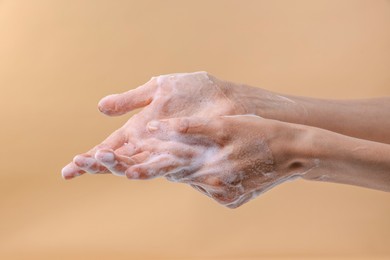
232	158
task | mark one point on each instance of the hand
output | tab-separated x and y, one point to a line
231	159
188	94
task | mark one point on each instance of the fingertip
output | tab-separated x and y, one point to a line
83	161
132	174
105	157
153	125
66	172
70	171
107	105
67	177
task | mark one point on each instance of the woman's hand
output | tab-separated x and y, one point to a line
235	158
164	96
231	159
188	94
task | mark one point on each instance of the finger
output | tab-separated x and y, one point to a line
116	163
158	165
242	200
119	104
216	188
88	164
224	198
128	149
200	189
123	152
183	174
186	125
178	149
87	161
70	171
205	180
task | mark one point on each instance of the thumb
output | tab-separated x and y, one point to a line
119	104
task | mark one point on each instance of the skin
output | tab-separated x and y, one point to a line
201	95
237	158
167	96
250	155
365	118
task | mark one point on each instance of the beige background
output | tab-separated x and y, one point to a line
58	58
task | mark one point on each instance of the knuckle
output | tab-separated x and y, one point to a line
153	78
182	125
210	76
222	135
158	81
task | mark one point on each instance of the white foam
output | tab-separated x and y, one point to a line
106	158
88	162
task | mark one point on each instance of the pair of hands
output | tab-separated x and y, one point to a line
196	129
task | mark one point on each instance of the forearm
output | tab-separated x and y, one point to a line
343	159
367	119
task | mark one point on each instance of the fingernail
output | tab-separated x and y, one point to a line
153	125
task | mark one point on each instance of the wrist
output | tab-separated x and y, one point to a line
312	149
333	154
272	105
292	148
302	151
